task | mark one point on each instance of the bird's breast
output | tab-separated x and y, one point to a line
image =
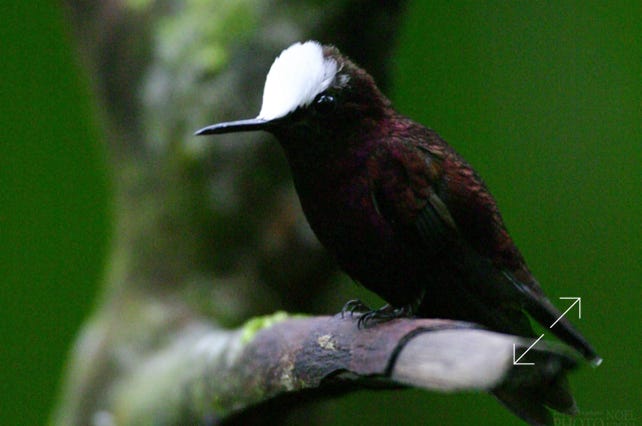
343	214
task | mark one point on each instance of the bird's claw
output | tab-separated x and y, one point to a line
367	315
354	305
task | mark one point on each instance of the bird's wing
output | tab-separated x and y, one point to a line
472	209
430	194
434	199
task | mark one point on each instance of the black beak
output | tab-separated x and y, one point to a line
235	126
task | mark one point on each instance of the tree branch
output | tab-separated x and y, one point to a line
211	376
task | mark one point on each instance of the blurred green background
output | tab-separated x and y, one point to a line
543	98
54	223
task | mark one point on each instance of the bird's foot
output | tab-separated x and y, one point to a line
368	316
354	305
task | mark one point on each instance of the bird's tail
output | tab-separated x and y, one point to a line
531	404
530	392
540	308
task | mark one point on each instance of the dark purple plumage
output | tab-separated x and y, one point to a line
406	216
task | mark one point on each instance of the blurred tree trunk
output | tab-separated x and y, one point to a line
206	234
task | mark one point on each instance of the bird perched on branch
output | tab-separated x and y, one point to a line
402	212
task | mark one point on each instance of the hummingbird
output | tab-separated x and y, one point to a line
400	210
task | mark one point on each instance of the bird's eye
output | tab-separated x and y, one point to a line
324	103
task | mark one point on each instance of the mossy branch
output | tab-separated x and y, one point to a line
209	376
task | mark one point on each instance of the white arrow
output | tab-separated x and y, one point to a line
516	361
578	300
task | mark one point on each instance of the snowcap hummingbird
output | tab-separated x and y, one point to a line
401	211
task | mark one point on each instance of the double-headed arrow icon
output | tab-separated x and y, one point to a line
578	301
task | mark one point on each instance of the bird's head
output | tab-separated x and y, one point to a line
313	95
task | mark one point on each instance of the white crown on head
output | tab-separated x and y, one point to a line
296	77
